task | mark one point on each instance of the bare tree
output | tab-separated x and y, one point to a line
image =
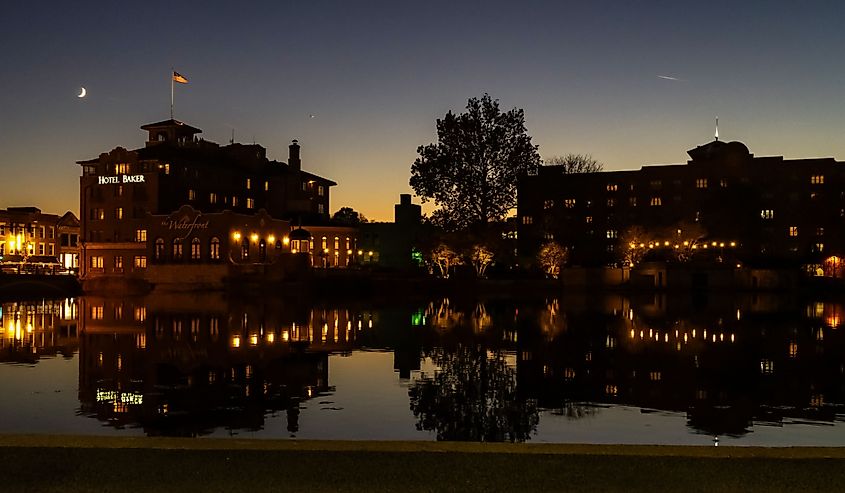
575	163
481	257
444	258
552	257
632	244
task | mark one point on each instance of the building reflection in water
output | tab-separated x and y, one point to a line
187	364
32	329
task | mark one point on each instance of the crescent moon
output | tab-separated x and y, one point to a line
83	93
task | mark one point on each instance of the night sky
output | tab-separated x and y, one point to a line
376	75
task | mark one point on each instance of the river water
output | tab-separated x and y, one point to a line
598	368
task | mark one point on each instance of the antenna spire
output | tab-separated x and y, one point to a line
717	128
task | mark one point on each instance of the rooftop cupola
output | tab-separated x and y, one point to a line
170	131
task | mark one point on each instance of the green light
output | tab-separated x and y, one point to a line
418	318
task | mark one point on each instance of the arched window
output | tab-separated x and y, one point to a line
214	250
294	246
158	252
195	249
177	249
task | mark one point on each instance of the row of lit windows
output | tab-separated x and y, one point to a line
31	229
18	248
139	261
177	251
213	199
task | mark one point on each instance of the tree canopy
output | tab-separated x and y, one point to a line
472	170
575	163
348	216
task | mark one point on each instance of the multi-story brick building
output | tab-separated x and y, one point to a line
33	241
761	210
126	194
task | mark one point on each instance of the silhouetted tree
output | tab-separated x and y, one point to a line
472	397
632	245
444	258
471	171
575	163
480	258
348	216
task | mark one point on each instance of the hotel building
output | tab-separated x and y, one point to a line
183	201
760	210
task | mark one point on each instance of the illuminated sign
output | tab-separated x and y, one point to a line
117	180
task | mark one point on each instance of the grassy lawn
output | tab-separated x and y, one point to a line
69	465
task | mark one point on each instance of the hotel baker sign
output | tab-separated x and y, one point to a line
117	180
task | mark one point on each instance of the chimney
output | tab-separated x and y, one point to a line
405	198
293	156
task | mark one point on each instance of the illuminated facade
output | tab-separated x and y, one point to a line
724	203
31	241
128	197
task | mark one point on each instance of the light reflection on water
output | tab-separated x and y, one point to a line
750	370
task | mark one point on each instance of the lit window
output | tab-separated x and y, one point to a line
632	201
321	190
140	235
325	243
234	201
656	201
701	183
266	186
212	198
140	262
723	183
336	243
527	220
817	179
158	252
793	231
118	213
195	249
612	187
767	214
548	204
118	263
819	231
248	184
97	314
819	247
569	203
214	250
612	234
588	219
97	262
192	195
767	366
177	249
655	376
611	202
250	203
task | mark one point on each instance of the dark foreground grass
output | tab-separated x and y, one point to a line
69	469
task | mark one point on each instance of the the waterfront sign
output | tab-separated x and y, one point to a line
185	225
117	180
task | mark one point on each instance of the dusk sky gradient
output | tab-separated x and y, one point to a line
377	75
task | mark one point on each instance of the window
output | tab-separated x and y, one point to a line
569	203
767	366
140	235
818	247
321	208
96	262
611	202
214	249
336	243
245	249
118	213
2	229
97	214
701	183
248	184
250	203
118	263
612	234
793	231
234	201
118	191
212	198
588	219
548	204
304	186
767	214
819	231
97	314
192	195
321	190
656	184
612	187
140	262
817	180
42	232
324	244
177	249
266	186
158	251
51	249
656	201
195	249
723	183
41	249
527	220
632	201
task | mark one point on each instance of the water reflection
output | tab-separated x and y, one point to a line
193	364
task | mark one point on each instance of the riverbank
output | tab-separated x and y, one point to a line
70	464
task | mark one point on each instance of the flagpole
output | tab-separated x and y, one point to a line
171	92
